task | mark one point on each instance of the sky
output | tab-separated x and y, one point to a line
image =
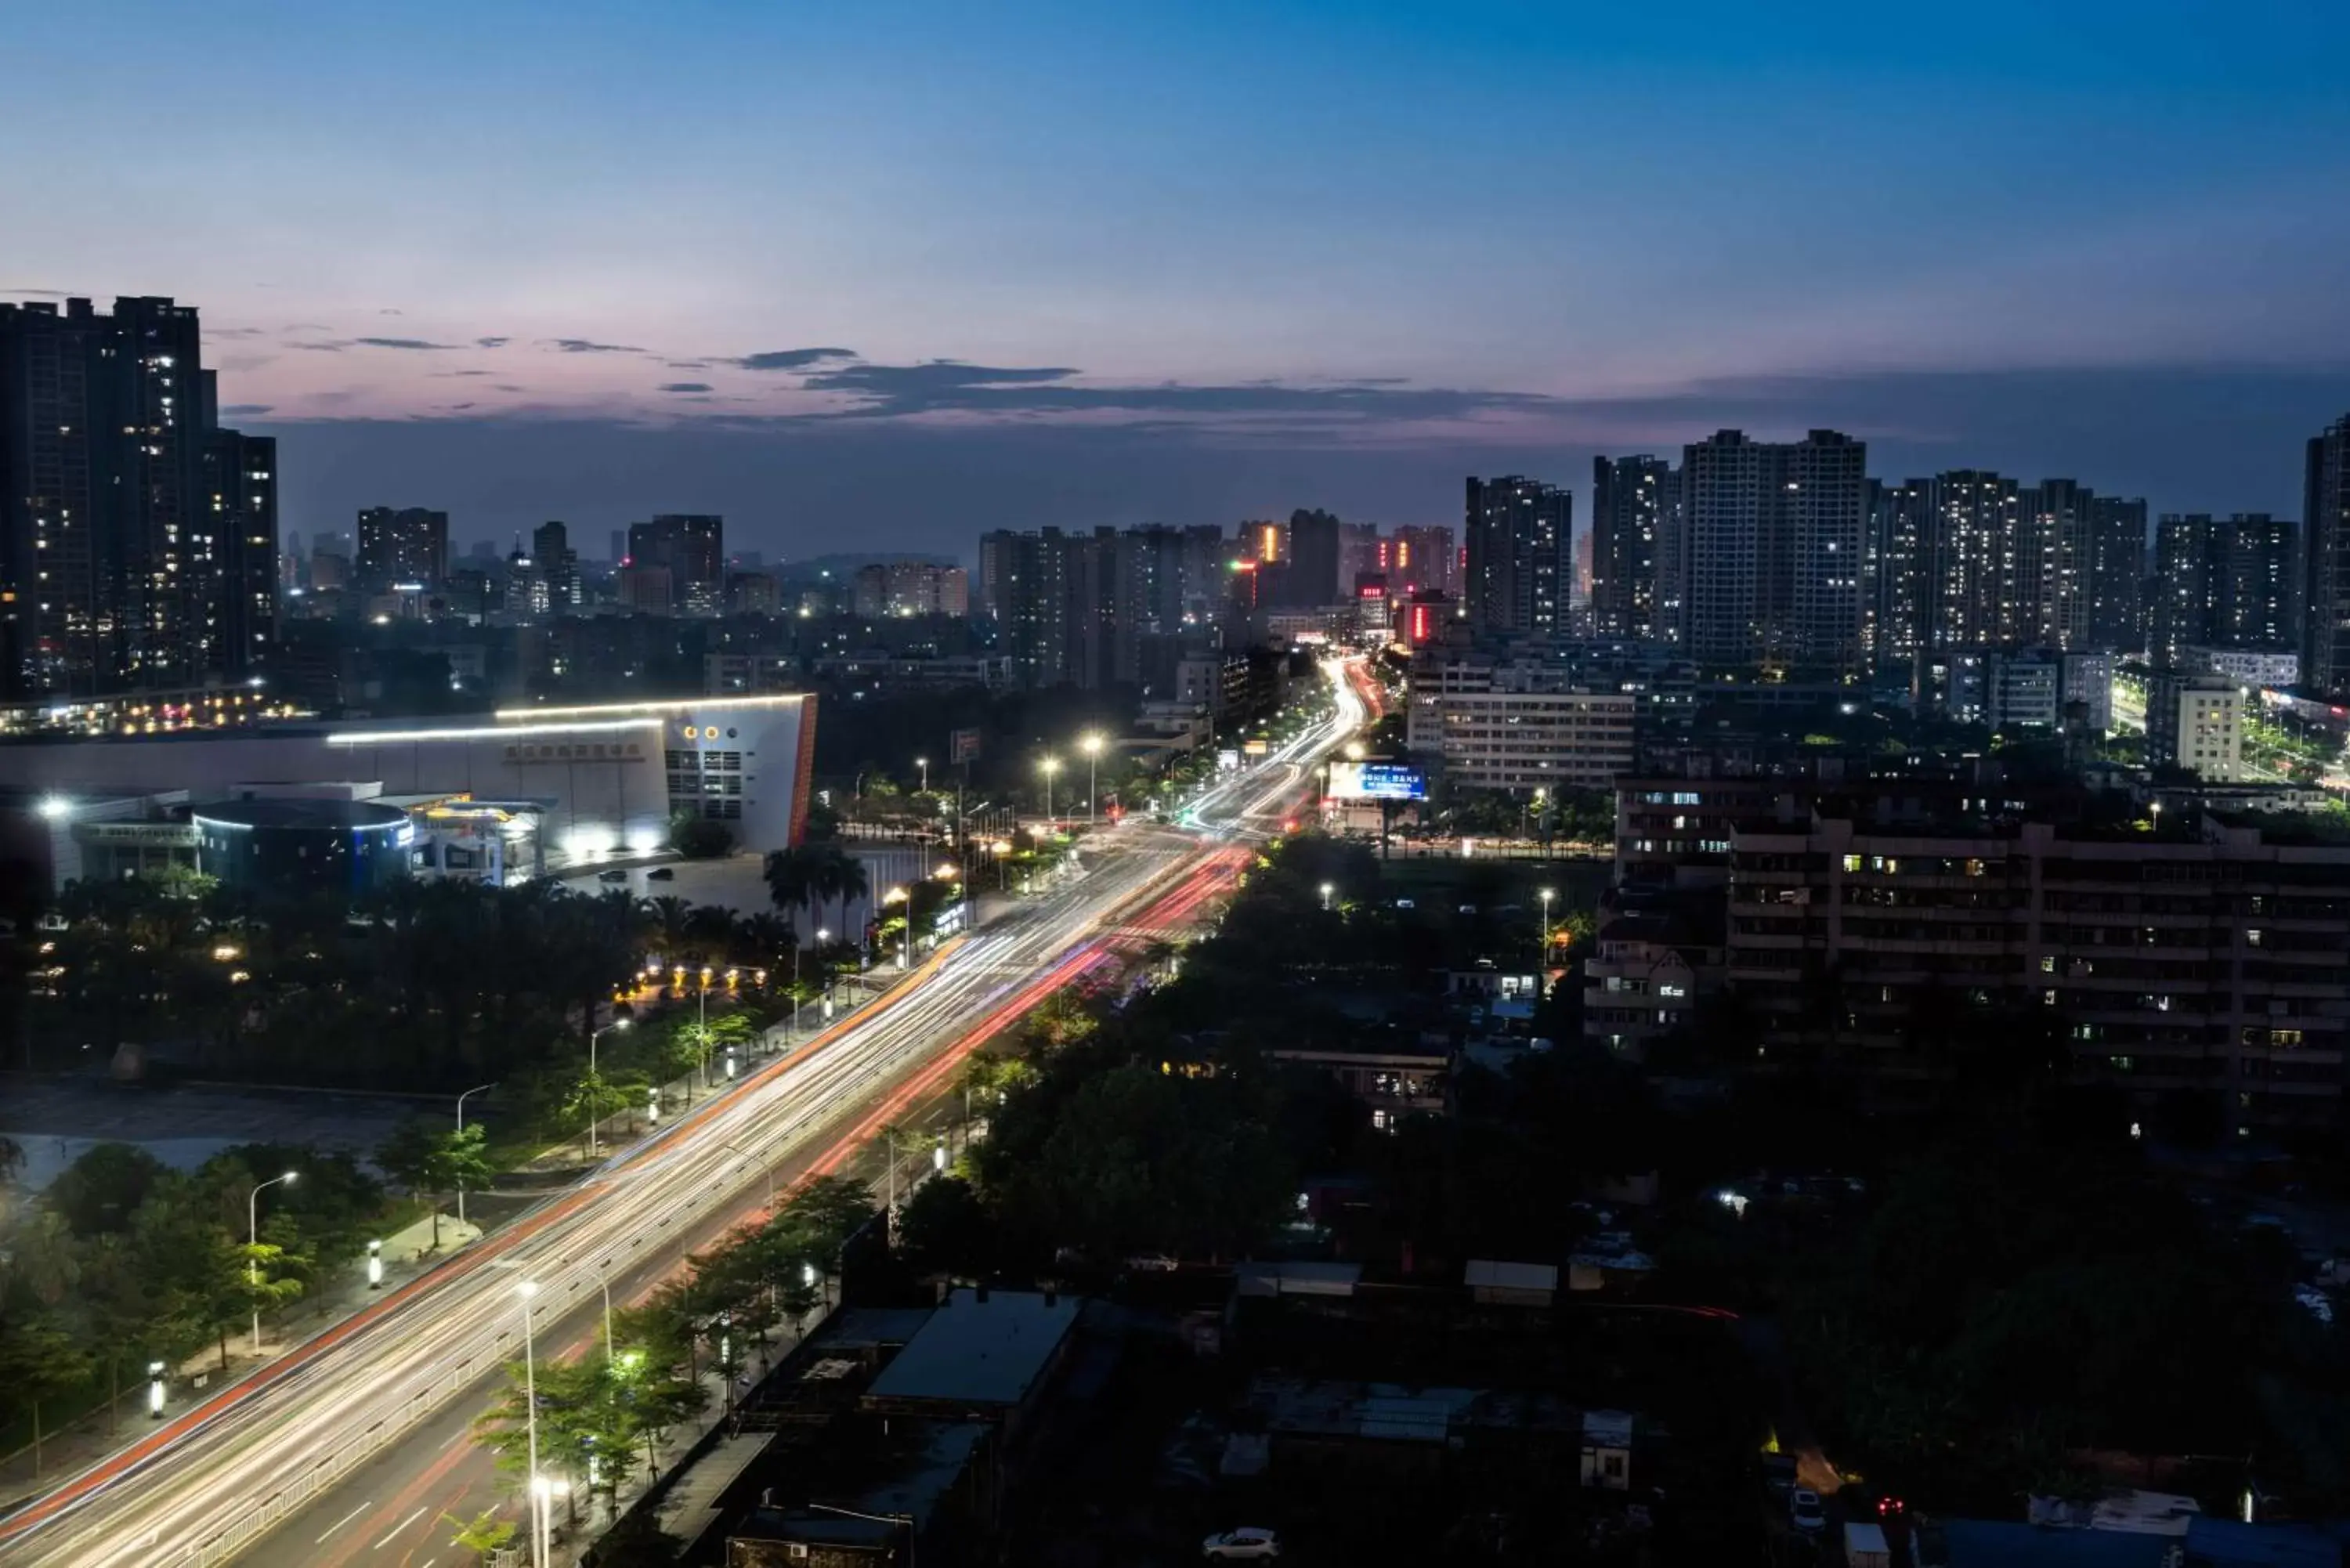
884	275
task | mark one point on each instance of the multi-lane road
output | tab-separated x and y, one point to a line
344	1450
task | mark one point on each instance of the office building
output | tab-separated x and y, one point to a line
403	548
2195	721
2325	525
1521	555
1769	552
1490	722
692	547
138	539
2252	669
1633	503
2203	960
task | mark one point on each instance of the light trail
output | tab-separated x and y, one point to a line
223	1475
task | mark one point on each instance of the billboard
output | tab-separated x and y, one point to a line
1377	781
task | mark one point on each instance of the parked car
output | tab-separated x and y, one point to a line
614	875
661	874
1234	1545
1804	1511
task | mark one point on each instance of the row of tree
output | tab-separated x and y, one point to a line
125	1260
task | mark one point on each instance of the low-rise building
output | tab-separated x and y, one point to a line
2196	722
1653	959
2252	669
2203	958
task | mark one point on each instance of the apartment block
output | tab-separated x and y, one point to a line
2204	960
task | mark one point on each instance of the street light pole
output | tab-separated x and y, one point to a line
460	1128
924	764
253	1259
1049	767
527	1289
1091	746
595	1110
1542	954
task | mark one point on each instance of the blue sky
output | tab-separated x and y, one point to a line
1197	262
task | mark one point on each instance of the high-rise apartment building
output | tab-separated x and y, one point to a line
1313	576
901	589
2117	574
558	566
2325	579
1633	503
1054	607
2223	582
138	539
1769	552
1520	558
1893	609
1422	558
400	547
693	546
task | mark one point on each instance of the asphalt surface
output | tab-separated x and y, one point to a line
349	1450
275	1450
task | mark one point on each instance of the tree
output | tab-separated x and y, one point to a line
38	1362
485	1535
430	1160
99	1191
700	837
595	1096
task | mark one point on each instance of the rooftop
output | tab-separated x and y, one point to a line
978	1350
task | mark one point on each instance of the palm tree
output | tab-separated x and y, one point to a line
671	917
843	876
791	877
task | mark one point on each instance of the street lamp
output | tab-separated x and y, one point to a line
1001	847
154	1390
1048	766
1544	955
924	764
952	877
460	1128
253	1259
1091	746
905	936
55	807
375	1266
1326	890
594	1111
525	1290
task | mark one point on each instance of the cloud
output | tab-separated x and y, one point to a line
387	311
245	411
685	386
442	373
792	358
318	347
415	343
492	342
582	346
936	386
39	293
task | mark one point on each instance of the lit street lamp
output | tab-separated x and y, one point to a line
375	1266
1048	766
460	1128
1543	957
154	1390
55	807
595	1115
525	1290
905	935
252	1261
1326	890
1091	746
924	764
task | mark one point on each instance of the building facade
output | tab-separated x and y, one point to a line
2196	722
1521	555
404	547
1634	504
2326	523
2202	962
1492	724
138	538
692	547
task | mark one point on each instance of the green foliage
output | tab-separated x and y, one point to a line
484	1534
701	838
432	1160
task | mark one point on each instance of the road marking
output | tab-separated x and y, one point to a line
398	1528
340	1522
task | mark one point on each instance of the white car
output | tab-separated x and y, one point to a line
1804	1511
1236	1544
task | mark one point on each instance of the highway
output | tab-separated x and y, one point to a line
345	1450
262	1451
1260	801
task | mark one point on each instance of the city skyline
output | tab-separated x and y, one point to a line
902	285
